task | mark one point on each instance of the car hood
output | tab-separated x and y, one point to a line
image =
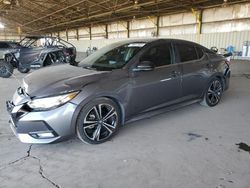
59	79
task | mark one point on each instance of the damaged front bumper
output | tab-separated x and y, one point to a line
35	131
39	127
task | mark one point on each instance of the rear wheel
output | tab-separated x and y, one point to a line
213	93
6	69
98	121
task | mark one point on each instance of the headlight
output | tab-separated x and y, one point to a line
51	102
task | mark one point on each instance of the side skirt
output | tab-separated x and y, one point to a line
159	111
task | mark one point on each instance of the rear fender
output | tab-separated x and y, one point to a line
215	75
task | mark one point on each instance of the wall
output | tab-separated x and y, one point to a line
221	27
8	36
220	40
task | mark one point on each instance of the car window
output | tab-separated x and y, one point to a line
199	52
160	55
113	58
4	45
187	52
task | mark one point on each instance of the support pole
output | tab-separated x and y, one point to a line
157	26
106	31
90	33
128	30
67	35
77	34
198	16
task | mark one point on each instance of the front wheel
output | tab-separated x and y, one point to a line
98	121
213	93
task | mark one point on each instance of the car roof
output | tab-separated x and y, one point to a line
150	40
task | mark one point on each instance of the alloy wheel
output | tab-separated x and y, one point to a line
100	122
214	92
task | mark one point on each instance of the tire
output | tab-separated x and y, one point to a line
23	70
6	69
213	93
93	128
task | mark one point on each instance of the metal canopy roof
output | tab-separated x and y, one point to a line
43	16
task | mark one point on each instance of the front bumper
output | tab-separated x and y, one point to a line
43	126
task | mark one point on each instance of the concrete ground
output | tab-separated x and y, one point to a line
187	148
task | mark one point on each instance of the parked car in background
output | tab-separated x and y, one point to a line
6	47
119	83
36	52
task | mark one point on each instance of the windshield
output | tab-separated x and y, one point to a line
114	56
28	42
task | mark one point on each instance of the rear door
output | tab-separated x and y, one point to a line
159	87
194	64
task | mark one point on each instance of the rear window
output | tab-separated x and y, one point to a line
187	52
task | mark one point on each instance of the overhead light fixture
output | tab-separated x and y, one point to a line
17	3
1	25
6	2
224	4
136	4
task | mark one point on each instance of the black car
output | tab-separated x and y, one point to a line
36	52
6	46
119	83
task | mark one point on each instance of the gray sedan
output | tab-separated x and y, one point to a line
122	82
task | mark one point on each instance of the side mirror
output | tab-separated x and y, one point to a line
144	66
214	49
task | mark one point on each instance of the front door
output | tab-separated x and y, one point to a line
159	87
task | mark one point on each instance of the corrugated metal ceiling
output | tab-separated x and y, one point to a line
43	16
